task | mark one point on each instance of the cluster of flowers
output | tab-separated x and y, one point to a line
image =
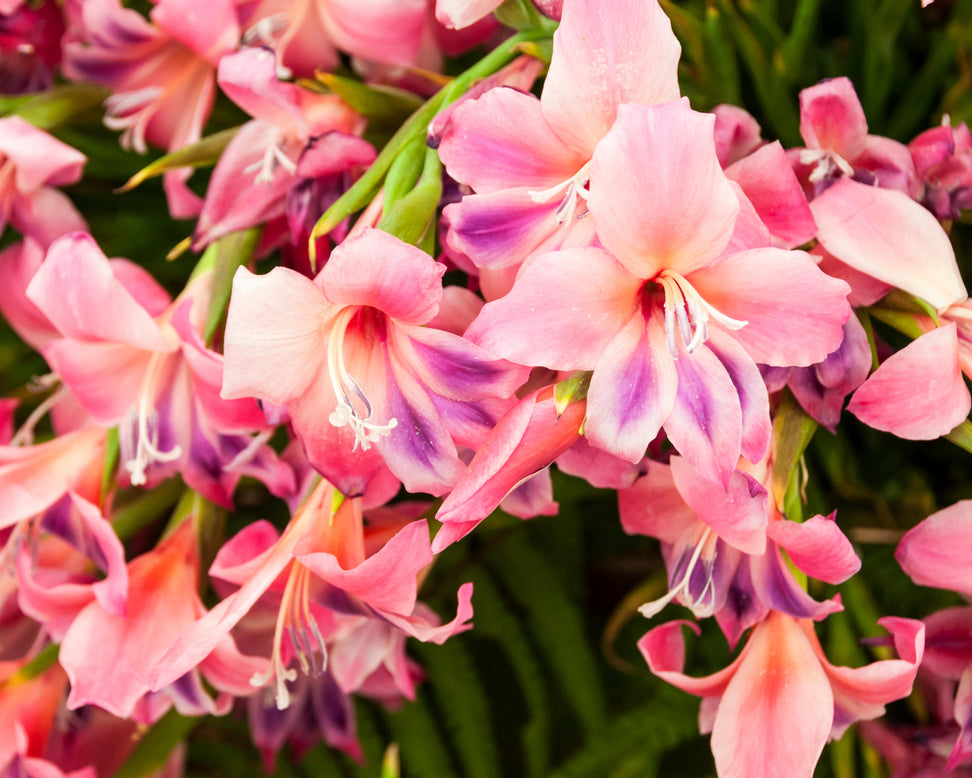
637	311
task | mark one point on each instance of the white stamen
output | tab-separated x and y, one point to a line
681	585
574	187
685	307
826	161
142	431
346	389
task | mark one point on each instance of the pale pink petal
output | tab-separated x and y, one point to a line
210	30
963	715
653	506
275	336
780	690
795	314
376	269
938	552
429	631
817	547
632	391
887	235
18	264
502	141
737	133
249	79
112	590
769	182
76	290
737	514
657	192
606	54
46	215
380	30
39	159
141	285
563	310
831	117
917	393
457	14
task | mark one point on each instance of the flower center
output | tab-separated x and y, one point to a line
354	408
687	314
139	431
827	162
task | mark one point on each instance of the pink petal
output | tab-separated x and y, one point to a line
209	30
657	192
563	310
76	290
938	552
770	184
781	691
379	30
457	14
795	314
632	391
817	547
917	393
831	117
653	506
887	235
502	141
606	54
664	650
275	338
379	270
249	79
737	514
39	159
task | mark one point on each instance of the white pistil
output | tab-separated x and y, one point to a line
273	156
826	161
346	389
25	435
686	310
144	438
680	585
574	187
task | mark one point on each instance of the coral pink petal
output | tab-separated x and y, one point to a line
917	393
780	690
653	506
681	216
818	547
606	54
887	235
39	159
664	650
938	552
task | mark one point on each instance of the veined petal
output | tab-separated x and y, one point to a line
564	309
379	270
705	424
502	141
632	391
657	192
887	235
275	336
938	552
794	313
780	690
917	393
606	54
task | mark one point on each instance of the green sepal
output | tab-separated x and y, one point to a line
518	14
382	103
902	321
145	507
111	462
410	217
571	390
223	257
792	431
961	436
404	172
204	153
391	764
56	106
36	667
152	751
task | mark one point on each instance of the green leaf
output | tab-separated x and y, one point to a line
56	106
205	153
556	623
792	431
420	735
146	507
151	752
725	87
111	462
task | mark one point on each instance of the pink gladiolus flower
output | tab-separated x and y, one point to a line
364	381
943	162
32	163
783	687
528	159
138	363
324	565
250	182
30	45
672	315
